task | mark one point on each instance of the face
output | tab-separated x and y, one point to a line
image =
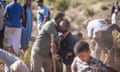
40	3
28	2
84	56
4	3
63	28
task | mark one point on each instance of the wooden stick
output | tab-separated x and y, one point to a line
53	54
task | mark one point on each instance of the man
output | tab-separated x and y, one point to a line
14	63
84	62
42	14
115	8
1	24
91	26
94	24
27	29
40	56
14	12
115	11
66	46
104	41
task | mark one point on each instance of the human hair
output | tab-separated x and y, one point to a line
15	0
66	22
40	1
59	16
81	46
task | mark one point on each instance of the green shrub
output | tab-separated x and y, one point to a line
75	3
116	36
62	5
89	12
103	7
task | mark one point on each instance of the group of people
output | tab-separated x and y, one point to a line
54	37
15	25
15	28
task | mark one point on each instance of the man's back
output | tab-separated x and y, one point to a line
92	25
14	11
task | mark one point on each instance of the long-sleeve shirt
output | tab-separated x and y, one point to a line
7	57
42	43
94	24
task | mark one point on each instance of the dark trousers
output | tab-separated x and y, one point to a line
1	38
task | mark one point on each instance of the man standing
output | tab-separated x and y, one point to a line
66	46
14	12
114	13
1	24
115	8
42	14
27	29
40	56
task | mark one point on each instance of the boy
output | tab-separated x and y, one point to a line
83	62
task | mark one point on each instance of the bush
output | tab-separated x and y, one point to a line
89	12
75	3
116	36
103	7
62	5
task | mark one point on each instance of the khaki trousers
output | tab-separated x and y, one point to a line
39	61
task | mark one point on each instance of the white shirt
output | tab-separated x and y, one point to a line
93	25
114	19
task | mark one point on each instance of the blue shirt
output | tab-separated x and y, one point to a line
14	11
42	13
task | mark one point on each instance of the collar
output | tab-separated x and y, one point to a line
53	20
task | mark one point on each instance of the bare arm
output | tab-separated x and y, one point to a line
45	20
113	27
73	68
5	15
23	19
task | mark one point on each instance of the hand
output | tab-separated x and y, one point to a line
65	34
53	48
53	45
69	54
